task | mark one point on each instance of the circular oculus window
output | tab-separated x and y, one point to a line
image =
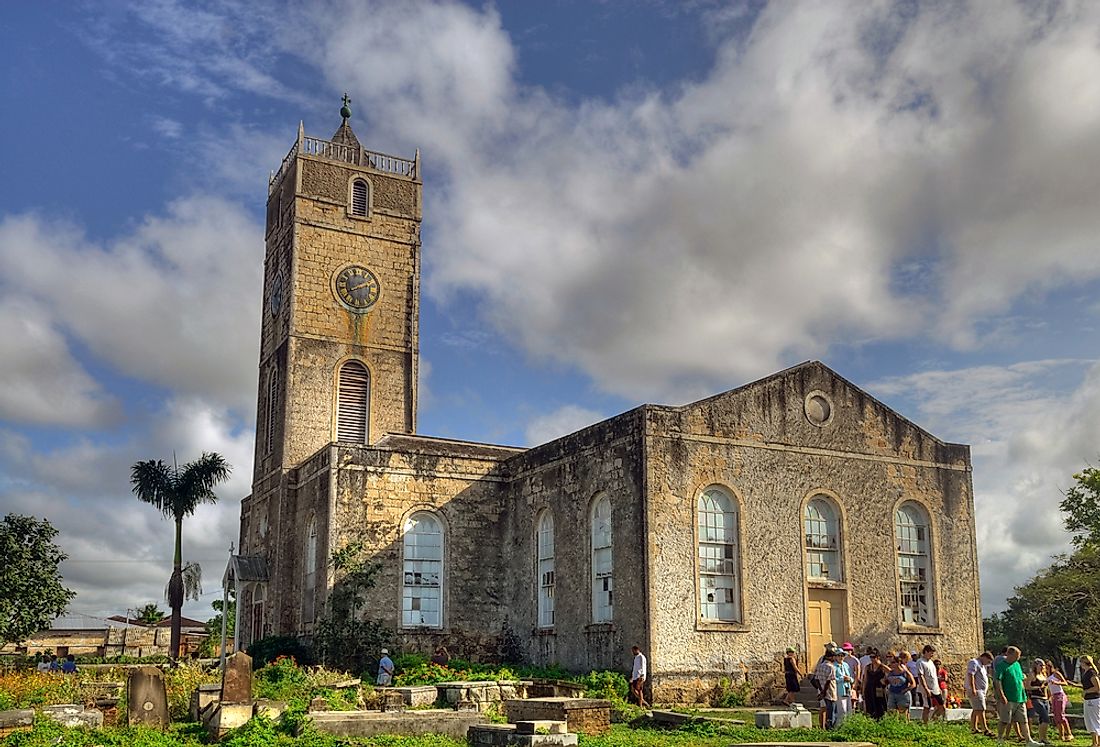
819	409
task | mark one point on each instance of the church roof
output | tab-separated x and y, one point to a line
445	446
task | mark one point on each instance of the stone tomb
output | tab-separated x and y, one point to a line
146	698
17	720
583	715
521	734
785	718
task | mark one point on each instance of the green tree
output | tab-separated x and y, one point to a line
31	594
1081	507
1057	613
176	492
150	614
343	638
214	625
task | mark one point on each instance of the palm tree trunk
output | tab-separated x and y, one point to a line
175	593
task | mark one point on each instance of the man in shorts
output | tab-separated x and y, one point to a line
976	688
928	682
1008	682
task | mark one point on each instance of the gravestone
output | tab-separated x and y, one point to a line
146	698
237	679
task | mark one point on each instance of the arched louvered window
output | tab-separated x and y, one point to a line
602	587
354	403
719	596
422	589
545	541
913	540
310	584
359	194
822	536
272	406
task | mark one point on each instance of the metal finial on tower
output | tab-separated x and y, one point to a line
345	110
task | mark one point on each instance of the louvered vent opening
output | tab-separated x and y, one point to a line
359	198
354	403
272	406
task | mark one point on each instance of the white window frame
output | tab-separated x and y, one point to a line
369	202
602	560
544	580
916	578
822	540
718	555
423	545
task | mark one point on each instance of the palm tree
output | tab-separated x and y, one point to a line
150	614
177	492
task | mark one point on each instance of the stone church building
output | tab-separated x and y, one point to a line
789	511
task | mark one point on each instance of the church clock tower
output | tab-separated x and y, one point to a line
339	340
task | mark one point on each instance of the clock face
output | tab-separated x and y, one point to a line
275	298
356	287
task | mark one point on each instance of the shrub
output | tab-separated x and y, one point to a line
268	649
730	695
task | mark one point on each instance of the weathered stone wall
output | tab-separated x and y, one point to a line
377	489
564	477
758	444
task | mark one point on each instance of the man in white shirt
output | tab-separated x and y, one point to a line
856	672
385	670
929	685
976	689
637	676
825	674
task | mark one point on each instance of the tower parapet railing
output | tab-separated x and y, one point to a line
315	146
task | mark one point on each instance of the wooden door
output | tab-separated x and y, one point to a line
826	620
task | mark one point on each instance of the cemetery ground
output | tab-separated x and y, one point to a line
298	686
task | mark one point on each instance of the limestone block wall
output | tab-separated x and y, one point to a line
564	477
759	445
377	489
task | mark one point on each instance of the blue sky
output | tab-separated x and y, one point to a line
624	202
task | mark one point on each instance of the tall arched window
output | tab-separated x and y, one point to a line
353	409
256	616
601	560
359	197
546	570
309	584
719	598
913	540
272	406
422	589
822	540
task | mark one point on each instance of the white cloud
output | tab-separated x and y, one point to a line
1030	433
40	381
671	244
175	302
561	422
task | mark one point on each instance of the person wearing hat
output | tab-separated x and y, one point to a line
792	676
385	669
825	681
856	672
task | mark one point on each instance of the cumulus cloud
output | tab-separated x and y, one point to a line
175	302
42	383
120	549
560	422
672	242
1032	426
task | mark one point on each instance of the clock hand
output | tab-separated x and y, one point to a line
357	287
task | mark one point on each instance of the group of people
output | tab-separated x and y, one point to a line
899	681
50	663
1041	691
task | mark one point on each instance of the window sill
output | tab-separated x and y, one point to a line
544	631
423	629
918	629
821	584
718	626
604	627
